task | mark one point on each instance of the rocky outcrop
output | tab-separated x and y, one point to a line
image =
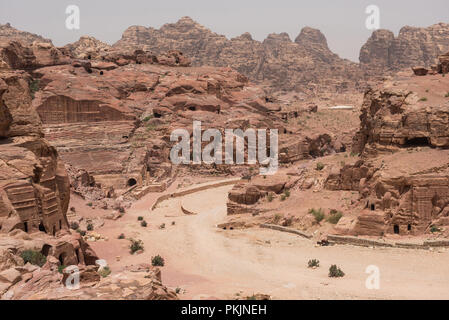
15	55
7	32
87	47
277	63
412	47
402	177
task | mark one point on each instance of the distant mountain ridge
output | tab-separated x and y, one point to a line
277	63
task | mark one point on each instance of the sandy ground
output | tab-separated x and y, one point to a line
207	262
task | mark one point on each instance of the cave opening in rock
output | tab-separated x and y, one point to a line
396	229
373	207
42	228
409	227
46	250
417	142
192	108
131	182
61	258
25	226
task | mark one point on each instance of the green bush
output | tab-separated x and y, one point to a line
135	246
143	223
140	218
334	217
423	99
90	227
157	261
319	166
34	87
287	193
447	95
81	232
61	268
434	229
283	197
104	272
121	236
162	226
335	272
314	263
270	197
318	214
34	257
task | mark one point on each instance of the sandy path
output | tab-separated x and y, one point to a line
209	262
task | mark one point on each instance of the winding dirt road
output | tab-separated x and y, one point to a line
207	262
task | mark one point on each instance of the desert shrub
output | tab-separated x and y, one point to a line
270	197
121	210
447	95
90	204
81	232
434	229
74	225
34	257
90	227
314	263
157	261
423	99
319	166
318	214
147	118
140	218
283	197
61	268
135	246
162	226
277	218
104	272
121	236
173	223
178	290
287	222
287	193
335	272
34	87
334	217
143	223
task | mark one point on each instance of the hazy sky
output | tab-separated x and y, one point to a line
341	21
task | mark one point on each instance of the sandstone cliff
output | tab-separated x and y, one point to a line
412	47
305	65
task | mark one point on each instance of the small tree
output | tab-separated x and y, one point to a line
334	217
34	257
314	263
135	246
319	166
157	261
335	272
318	214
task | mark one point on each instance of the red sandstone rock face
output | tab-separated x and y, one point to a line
14	55
402	179
413	47
7	32
305	65
34	187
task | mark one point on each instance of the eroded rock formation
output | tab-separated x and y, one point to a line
412	47
305	65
